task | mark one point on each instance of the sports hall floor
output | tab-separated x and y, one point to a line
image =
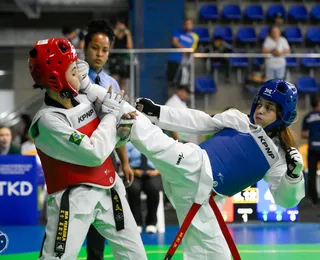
262	241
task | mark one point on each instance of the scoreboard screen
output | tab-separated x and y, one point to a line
245	204
268	210
242	207
256	203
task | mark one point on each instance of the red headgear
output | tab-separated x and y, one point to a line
48	62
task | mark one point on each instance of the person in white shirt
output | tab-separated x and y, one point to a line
179	100
277	46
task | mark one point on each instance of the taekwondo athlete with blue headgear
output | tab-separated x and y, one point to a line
243	151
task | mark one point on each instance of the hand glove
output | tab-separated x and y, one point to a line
294	162
126	121
112	104
83	69
94	92
124	131
148	107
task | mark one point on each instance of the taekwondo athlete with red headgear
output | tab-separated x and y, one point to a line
74	142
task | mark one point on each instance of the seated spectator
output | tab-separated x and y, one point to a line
179	100
148	180
119	62
177	69
277	46
219	45
6	146
279	21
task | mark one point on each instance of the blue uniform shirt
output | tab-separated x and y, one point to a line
187	40
311	123
134	156
105	80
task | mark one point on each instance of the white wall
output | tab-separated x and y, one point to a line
6	100
22	81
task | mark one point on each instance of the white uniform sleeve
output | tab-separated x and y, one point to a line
187	121
94	92
55	134
286	191
197	122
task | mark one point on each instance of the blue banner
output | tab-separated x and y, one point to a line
19	190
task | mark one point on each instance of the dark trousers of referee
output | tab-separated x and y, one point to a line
313	159
95	242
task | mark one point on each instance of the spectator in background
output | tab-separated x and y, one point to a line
279	21
311	131
74	35
6	146
148	180
179	100
219	45
119	62
277	46
98	42
177	69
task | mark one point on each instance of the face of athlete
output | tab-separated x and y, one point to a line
97	52
73	76
265	113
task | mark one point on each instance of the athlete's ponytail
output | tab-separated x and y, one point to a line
287	138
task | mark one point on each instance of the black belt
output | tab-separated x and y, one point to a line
117	210
64	215
63	224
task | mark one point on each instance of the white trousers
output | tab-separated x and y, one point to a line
125	244
180	166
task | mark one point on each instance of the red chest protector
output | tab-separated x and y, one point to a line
59	175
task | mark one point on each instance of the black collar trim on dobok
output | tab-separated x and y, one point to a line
51	102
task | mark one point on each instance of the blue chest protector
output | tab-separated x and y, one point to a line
236	159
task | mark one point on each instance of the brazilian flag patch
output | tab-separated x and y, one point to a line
76	138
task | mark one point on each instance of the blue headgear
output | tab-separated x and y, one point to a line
285	95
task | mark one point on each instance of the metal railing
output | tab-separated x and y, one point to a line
134	63
12	117
193	56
